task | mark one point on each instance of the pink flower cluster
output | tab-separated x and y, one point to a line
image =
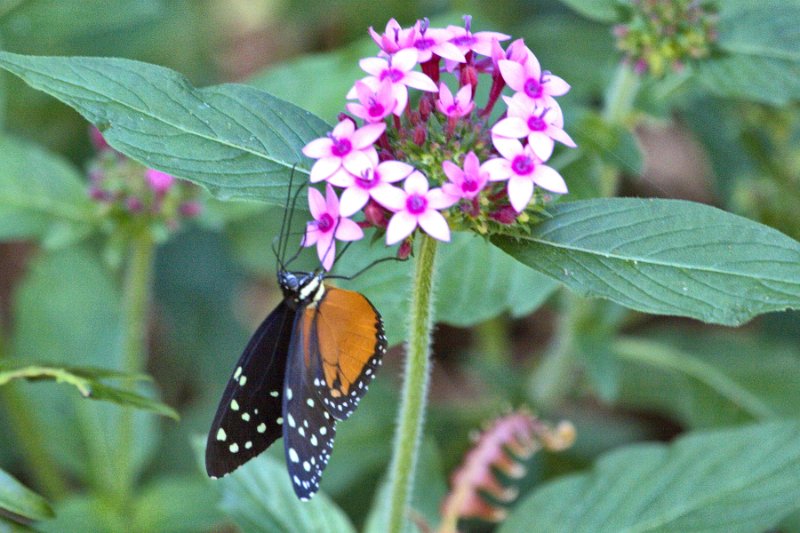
442	163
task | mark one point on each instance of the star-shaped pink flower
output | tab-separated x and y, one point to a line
359	189
479	42
429	41
458	106
345	149
465	183
528	78
415	205
394	37
542	125
328	225
374	105
520	166
398	70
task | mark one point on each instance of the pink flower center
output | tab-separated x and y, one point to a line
536	124
416	204
393	74
341	147
424	44
469	185
522	165
368	179
464	41
375	108
533	88
325	223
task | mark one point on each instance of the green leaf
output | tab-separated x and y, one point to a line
235	140
599	10
260	497
709	379
20	501
40	193
742	479
613	143
176	504
468	293
668	257
762	42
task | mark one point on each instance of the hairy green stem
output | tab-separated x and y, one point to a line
137	289
415	387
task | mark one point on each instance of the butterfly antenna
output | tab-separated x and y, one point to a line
282	237
376	262
291	211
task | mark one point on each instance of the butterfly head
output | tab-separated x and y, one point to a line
301	288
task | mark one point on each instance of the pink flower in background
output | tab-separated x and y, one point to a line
374	104
159	181
429	41
328	225
458	106
522	168
415	205
398	70
465	183
345	149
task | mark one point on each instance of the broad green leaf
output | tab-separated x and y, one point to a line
237	141
733	480
87	381
599	10
709	379
176	504
20	501
668	257
761	41
40	193
260	497
468	292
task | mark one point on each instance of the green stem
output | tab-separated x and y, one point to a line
135	306
415	388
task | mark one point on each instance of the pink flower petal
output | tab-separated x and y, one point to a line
449	51
499	169
367	135
392	171
340	178
323	168
405	59
401	225
311	235
373	65
416	183
353	200
344	129
420	81
520	191
452	171
316	203
513	127
326	250
548	178
318	148
561	136
348	230
391	198
555	85
513	73
471	164
356	162
435	225
437	199
331	201
541	145
509	148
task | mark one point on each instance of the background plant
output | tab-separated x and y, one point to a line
621	376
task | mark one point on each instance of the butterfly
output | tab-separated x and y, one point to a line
306	367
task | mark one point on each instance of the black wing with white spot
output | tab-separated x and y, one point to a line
308	428
248	418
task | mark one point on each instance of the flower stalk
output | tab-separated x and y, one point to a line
415	387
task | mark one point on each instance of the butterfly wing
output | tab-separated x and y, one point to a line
350	339
308	428
247	419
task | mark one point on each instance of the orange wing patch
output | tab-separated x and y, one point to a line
350	340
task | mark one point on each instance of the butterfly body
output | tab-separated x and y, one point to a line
306	367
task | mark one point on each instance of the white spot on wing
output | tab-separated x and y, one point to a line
221	435
293	456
